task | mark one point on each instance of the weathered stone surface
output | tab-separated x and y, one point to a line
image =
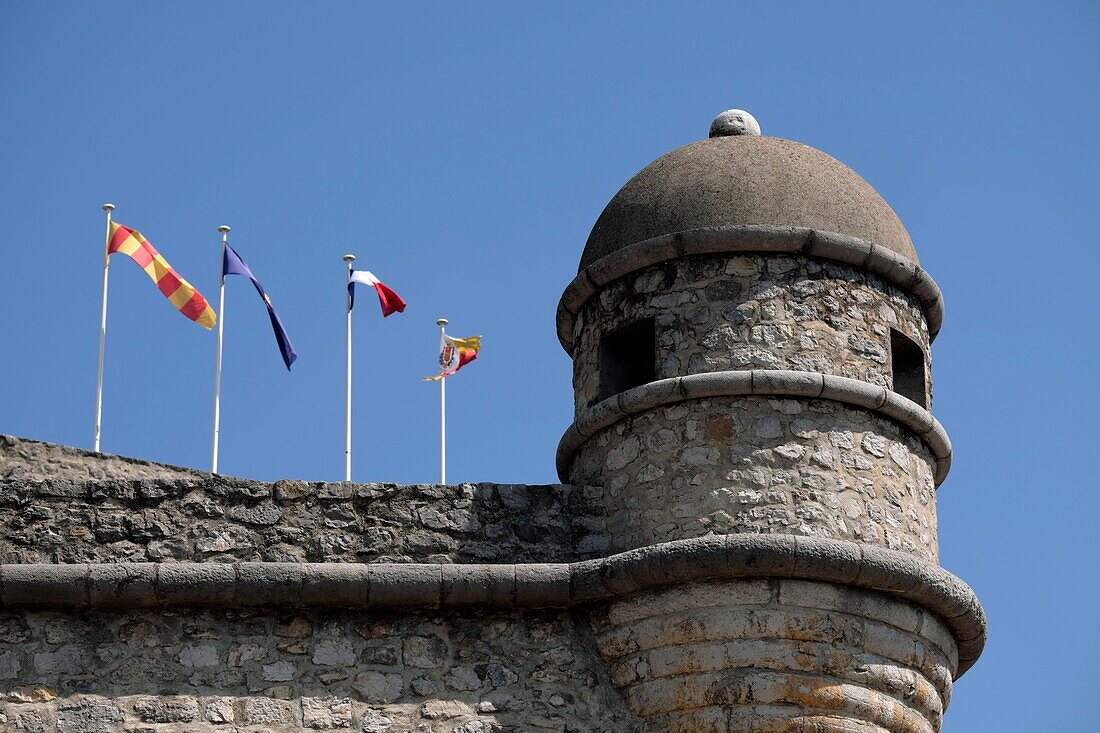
269	673
745	180
767	464
186	515
759	312
88	715
736	646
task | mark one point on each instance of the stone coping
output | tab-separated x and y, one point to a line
420	587
887	264
777	382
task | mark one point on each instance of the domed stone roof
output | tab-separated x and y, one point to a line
741	180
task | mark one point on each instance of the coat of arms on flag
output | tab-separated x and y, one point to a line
455	353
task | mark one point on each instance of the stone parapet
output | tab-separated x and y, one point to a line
60	515
34	460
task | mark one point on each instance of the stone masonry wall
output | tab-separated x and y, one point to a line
250	672
739	312
762	465
59	514
283	670
214	519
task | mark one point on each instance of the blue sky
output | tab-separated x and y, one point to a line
463	154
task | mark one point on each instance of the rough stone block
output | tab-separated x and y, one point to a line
378	687
265	711
326	713
166	709
89	716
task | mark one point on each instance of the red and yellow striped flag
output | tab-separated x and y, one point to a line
179	292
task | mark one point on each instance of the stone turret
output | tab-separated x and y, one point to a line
750	331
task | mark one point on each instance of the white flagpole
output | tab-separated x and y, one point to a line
442	323
349	258
102	329
218	350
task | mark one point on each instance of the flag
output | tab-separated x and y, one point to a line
232	264
391	302
455	354
179	292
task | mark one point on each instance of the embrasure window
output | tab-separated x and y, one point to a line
907	363
628	357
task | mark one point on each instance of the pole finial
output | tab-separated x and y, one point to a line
349	258
734	122
108	207
441	322
223	228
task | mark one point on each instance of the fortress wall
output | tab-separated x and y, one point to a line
251	671
284	670
208	518
763	465
755	311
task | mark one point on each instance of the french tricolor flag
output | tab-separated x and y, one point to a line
391	302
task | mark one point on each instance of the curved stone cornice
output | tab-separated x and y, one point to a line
521	586
887	264
762	382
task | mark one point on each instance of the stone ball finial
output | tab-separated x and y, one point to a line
734	122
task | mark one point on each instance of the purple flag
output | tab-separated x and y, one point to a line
232	264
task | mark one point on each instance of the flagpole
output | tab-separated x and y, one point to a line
218	350
442	323
102	329
348	258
